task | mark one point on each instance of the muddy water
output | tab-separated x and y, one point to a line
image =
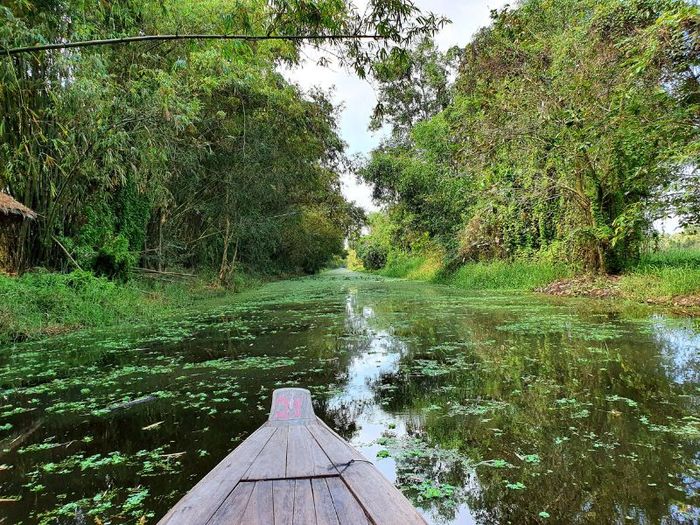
488	408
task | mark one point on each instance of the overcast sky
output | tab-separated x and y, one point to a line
357	96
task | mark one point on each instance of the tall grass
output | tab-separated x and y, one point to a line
668	273
660	283
507	275
660	275
353	262
419	267
686	258
44	303
510	275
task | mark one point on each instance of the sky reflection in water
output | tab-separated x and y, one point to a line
481	408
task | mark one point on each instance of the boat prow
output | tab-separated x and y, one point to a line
293	470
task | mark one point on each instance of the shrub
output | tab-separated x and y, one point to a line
353	262
41	302
114	260
372	255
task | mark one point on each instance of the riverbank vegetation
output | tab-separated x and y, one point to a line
182	153
668	275
543	150
170	157
43	303
570	127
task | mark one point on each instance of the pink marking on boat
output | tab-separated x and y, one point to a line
287	408
282	408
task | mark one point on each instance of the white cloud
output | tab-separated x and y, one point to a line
668	225
358	97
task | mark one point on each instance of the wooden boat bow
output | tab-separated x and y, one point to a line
293	470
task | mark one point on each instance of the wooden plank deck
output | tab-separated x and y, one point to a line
293	470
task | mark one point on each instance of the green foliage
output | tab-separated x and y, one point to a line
494	275
413	86
515	275
314	242
661	283
133	209
402	264
423	259
572	125
199	154
418	182
429	491
688	239
46	302
113	259
43	303
372	255
684	258
372	249
352	261
663	275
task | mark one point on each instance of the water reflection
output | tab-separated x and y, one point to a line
534	414
481	408
679	344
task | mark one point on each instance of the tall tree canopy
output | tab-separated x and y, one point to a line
569	119
180	152
413	86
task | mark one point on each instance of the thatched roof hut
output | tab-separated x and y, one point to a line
11	210
12	215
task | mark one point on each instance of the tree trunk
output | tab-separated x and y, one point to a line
160	241
223	268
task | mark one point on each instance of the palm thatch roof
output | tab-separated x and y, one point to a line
10	207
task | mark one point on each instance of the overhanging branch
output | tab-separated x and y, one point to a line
147	38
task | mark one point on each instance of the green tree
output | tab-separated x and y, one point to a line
569	119
180	152
413	86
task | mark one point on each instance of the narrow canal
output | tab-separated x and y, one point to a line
481	408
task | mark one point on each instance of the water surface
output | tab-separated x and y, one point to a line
481	408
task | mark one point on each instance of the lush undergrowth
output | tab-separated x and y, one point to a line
686	258
658	277
495	275
660	284
515	275
419	267
666	274
43	303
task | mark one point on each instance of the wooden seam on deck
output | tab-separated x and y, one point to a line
322	502
293	469
266	461
367	514
290	478
239	479
291	453
186	507
377	515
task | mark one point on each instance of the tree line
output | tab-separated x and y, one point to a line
180	153
561	131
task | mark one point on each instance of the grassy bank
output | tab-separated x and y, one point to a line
43	303
495	275
502	275
667	276
671	276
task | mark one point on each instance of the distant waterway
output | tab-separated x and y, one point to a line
482	408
